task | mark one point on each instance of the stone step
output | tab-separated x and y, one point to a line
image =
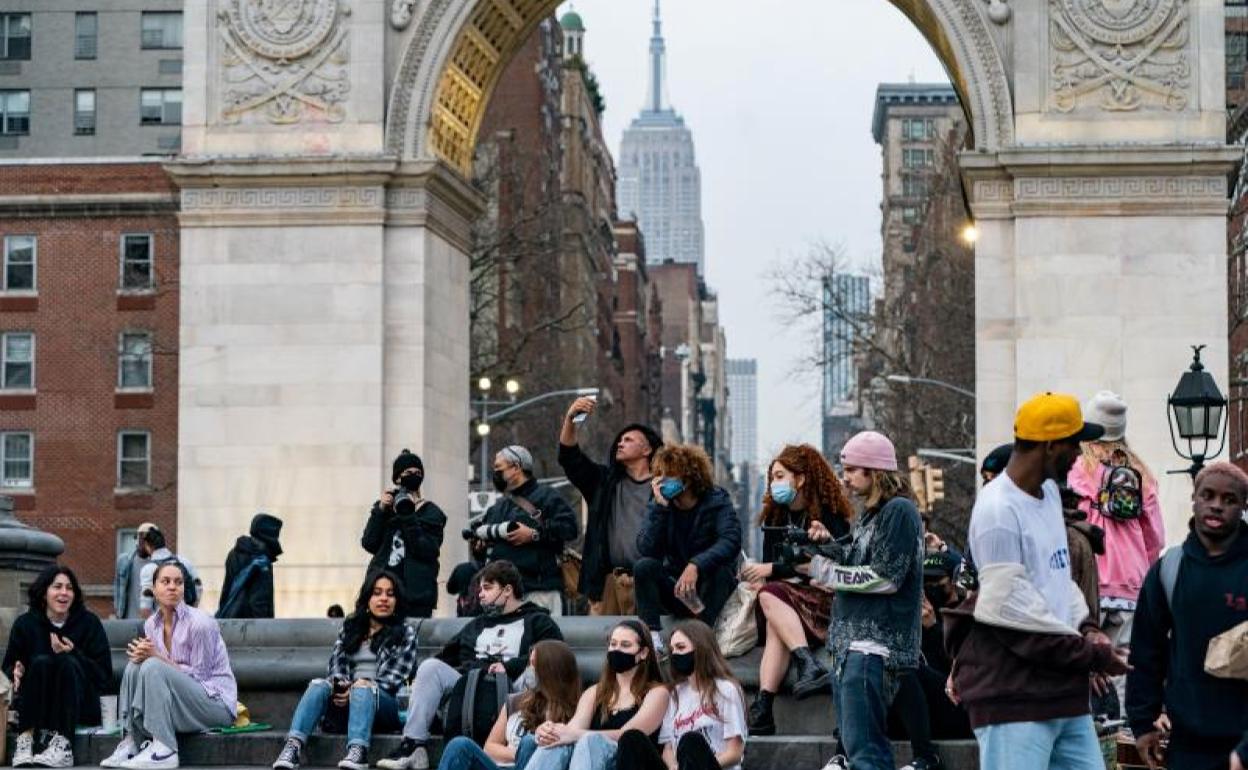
799	752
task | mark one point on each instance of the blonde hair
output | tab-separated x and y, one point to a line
885	485
1097	452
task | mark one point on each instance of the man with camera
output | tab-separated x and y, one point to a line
528	527
404	535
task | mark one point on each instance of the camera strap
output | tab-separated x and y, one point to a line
524	504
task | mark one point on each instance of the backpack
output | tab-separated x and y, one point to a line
473	705
190	591
1121	496
232	603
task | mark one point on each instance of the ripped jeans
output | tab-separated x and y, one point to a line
370	708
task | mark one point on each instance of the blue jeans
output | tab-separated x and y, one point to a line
863	693
548	757
369	707
463	754
1060	744
594	751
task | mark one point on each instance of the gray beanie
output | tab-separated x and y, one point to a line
1109	410
518	455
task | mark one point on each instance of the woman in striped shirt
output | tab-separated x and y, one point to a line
178	679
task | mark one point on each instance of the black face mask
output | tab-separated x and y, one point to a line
500	483
936	595
621	662
411	482
682	663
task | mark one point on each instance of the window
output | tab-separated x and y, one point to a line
14	113
17	458
134	459
17	361
162	30
15	36
84	111
86	28
19	263
918	129
134	360
917	158
160	106
909	215
136	262
914	187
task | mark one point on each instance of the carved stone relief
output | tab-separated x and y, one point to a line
283	61
1119	55
401	13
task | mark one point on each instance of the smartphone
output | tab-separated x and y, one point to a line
580	417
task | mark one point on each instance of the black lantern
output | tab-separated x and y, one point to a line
1199	411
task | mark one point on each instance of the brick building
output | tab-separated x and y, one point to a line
89	325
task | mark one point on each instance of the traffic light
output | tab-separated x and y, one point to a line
918	482
934	485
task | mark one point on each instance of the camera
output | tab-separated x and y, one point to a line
796	547
488	533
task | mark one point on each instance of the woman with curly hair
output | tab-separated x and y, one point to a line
793	616
689	543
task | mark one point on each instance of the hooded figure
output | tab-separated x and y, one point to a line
247	591
604	488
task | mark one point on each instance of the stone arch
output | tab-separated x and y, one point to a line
459	48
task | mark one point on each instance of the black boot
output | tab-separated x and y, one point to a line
812	677
762	721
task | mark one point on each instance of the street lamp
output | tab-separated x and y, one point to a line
1199	411
509	406
906	379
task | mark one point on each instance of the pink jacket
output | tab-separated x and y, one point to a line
1131	547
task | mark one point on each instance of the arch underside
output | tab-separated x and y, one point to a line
441	91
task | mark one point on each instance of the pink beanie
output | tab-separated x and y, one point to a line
869	449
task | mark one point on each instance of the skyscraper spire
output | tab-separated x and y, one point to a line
656	90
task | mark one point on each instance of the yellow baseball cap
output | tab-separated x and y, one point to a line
1054	417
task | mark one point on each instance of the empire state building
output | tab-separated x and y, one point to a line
658	178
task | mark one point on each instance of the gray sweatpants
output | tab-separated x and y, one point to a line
158	701
433	680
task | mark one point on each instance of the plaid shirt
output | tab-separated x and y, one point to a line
395	663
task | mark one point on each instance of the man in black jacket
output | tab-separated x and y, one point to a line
619	495
404	534
247	591
499	640
1189	597
532	524
690	542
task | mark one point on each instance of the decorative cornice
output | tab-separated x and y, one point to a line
88	205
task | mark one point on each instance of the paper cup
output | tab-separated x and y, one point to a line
108	713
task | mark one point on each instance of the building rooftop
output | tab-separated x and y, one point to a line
890	94
571	22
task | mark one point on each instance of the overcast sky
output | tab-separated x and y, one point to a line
779	97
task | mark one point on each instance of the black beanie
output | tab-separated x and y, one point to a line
267	529
404	461
997	459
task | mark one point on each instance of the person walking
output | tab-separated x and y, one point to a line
803	494
404	535
127	585
1025	645
373	657
617	496
537	522
158	553
629	695
1197	591
247	590
878	580
690	543
59	663
178	679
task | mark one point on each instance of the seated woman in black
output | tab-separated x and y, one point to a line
59	662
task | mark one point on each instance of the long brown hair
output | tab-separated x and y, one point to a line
885	485
645	677
822	493
558	686
709	665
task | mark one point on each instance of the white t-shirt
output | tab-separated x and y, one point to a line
1010	526
685	714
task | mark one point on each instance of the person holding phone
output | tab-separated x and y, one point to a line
59	663
374	655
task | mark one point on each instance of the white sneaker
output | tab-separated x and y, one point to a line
839	762
409	755
59	753
124	752
23	752
154	756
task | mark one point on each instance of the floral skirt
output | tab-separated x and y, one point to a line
813	608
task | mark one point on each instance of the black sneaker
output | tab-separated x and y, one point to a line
410	755
289	758
356	758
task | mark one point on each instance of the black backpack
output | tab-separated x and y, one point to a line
473	705
190	591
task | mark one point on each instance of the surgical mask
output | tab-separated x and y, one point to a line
500	482
682	663
411	482
621	662
670	488
495	608
527	680
783	492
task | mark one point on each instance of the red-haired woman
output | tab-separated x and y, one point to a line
793	616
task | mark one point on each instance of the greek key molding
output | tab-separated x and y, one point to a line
1204	189
993	191
281	198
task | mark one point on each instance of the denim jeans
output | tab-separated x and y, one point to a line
548	757
1061	744
863	692
463	754
368	707
594	751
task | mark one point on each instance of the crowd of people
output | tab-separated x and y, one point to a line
1062	616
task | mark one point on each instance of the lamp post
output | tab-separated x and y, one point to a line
1199	414
906	379
510	406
